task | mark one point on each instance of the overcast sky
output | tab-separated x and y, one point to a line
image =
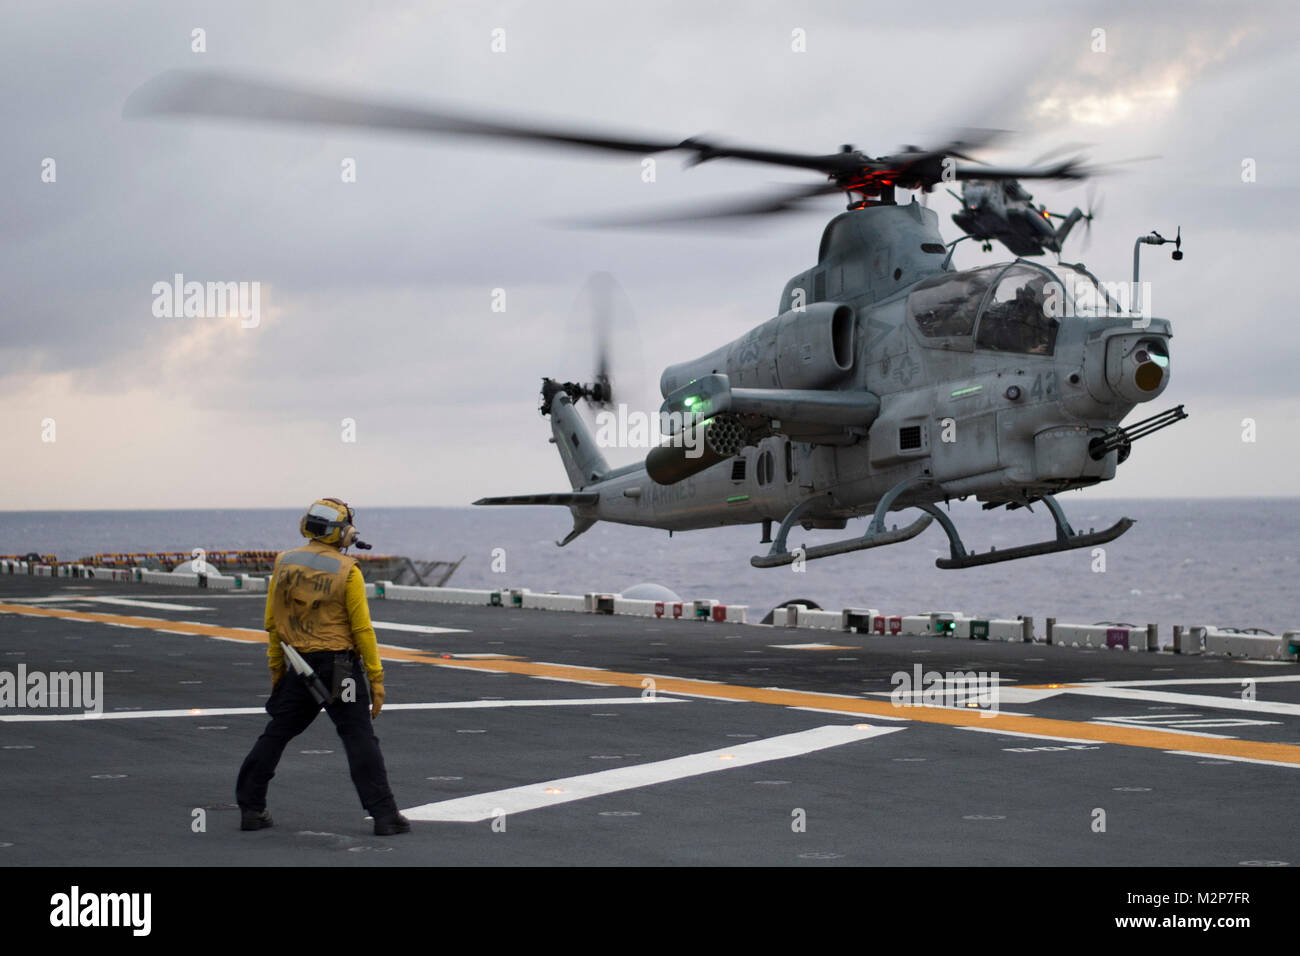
376	295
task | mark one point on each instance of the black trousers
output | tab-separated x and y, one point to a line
292	709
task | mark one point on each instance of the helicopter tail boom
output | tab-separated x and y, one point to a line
1070	221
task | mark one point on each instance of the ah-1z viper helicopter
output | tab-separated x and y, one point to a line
887	379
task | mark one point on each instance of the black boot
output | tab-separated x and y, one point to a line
391	824
255	820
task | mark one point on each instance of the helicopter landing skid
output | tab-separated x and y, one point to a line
868	540
1066	539
876	534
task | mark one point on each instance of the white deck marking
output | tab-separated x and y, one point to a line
1021	733
1161	727
1162	682
918	702
217	597
43	600
814	647
544	702
125	602
850	713
485	806
570	680
159	605
417	628
437	705
1268	763
130	715
1189	700
1024	695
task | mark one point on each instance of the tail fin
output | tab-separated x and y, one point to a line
583	461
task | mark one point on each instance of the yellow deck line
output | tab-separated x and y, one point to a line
1045	726
203	630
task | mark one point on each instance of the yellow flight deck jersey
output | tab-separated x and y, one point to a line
316	600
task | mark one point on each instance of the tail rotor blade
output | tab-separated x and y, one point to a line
601	287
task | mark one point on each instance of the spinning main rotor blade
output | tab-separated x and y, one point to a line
964	140
220	95
1069	169
785	201
227	96
214	94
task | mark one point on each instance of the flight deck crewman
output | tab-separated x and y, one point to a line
316	602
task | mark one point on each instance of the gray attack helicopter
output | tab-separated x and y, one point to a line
1003	210
887	380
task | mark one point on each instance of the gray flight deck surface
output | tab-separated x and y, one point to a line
124	791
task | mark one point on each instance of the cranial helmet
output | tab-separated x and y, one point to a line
330	521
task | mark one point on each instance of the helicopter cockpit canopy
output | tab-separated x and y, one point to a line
1014	317
1002	308
1014	190
1086	297
945	307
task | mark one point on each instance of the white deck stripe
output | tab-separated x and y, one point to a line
225	596
417	628
851	713
1204	756
1188	700
1021	733
158	605
1160	681
238	711
485	806
816	647
544	702
43	600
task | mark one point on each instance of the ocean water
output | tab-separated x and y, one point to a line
1186	561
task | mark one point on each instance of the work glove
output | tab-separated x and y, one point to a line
376	697
277	675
